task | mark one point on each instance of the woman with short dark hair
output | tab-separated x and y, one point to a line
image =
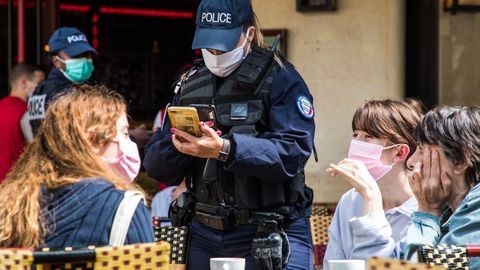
371	218
444	178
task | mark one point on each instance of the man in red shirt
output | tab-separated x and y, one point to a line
22	84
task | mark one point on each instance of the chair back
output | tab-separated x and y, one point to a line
448	256
319	222
148	256
392	264
177	237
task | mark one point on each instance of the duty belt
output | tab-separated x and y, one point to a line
220	217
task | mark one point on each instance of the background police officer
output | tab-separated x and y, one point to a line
71	57
247	185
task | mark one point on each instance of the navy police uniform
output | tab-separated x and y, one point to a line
54	86
265	111
73	43
271	161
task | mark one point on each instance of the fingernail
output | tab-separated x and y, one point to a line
210	123
202	124
219	132
172	130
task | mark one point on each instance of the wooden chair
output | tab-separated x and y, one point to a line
448	256
392	264
148	256
319	222
177	237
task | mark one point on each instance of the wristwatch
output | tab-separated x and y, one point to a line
223	155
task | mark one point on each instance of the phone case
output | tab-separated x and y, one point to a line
186	119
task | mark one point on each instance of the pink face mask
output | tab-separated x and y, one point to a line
369	154
128	164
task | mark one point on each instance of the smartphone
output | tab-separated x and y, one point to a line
206	113
186	119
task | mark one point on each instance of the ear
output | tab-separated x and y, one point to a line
251	34
23	82
56	62
402	154
460	168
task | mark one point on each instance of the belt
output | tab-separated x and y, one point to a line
221	217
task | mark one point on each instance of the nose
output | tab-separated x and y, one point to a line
411	161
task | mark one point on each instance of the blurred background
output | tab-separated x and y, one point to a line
348	51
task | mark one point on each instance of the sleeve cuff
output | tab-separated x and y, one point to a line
373	221
424	218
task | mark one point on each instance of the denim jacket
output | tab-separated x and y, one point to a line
461	227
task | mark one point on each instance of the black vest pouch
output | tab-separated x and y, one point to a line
254	68
295	188
246	191
266	191
237	113
245	130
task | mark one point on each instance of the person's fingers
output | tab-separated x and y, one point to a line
352	164
187	136
435	167
342	170
446	183
332	172
346	161
426	162
207	130
183	147
417	175
414	177
176	143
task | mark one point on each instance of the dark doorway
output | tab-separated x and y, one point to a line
142	44
422	51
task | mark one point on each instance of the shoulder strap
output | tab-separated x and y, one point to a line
123	217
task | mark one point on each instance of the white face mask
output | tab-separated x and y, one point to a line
224	64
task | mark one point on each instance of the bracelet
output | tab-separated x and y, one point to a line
223	154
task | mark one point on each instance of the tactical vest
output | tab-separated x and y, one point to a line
241	103
38	103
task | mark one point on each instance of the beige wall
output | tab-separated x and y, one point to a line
345	57
459	58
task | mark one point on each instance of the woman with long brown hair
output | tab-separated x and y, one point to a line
66	187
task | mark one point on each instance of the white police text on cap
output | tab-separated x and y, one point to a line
75	38
212	17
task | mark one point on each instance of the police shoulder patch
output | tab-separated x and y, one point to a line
305	107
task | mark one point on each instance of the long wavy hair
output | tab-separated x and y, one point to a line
61	154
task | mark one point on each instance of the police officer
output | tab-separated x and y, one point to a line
71	56
247	186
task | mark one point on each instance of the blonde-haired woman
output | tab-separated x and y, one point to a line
66	187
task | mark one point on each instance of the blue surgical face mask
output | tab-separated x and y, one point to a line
77	69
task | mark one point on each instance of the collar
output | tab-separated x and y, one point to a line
407	208
56	75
